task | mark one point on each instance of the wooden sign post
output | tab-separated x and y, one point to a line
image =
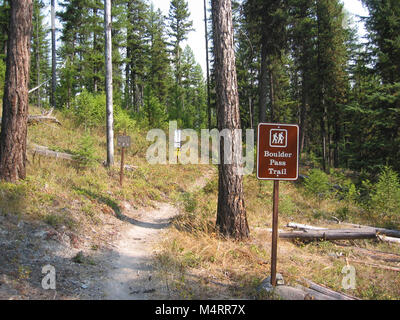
277	159
123	142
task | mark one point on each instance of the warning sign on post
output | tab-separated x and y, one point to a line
278	151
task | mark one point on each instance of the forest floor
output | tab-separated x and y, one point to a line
132	275
155	237
122	268
81	221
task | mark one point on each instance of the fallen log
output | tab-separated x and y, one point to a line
388	239
382	231
311	291
270	230
300	226
284	292
329	292
339	234
45	151
42	118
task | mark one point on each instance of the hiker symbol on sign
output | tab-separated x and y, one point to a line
278	138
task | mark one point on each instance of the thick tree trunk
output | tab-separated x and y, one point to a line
272	94
15	100
109	88
208	68
263	86
231	213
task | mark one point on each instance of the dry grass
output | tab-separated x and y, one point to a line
62	195
194	261
197	263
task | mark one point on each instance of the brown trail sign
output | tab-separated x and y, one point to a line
278	151
277	159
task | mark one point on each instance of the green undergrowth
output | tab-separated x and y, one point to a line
73	193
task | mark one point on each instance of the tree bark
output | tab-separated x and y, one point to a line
109	88
53	53
339	234
208	68
231	212
38	58
272	93
15	100
263	85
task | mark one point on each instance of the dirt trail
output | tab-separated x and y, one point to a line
130	275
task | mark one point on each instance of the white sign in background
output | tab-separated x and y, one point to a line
177	138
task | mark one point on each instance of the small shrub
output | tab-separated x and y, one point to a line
155	112
85	153
122	121
314	160
189	202
343	213
13	197
79	258
211	186
385	197
89	109
317	184
191	259
349	193
287	206
54	220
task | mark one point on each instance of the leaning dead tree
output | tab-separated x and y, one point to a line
109	80
231	213
53	53
15	101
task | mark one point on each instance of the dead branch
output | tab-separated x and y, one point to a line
327	291
388	239
379	266
46	152
373	254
